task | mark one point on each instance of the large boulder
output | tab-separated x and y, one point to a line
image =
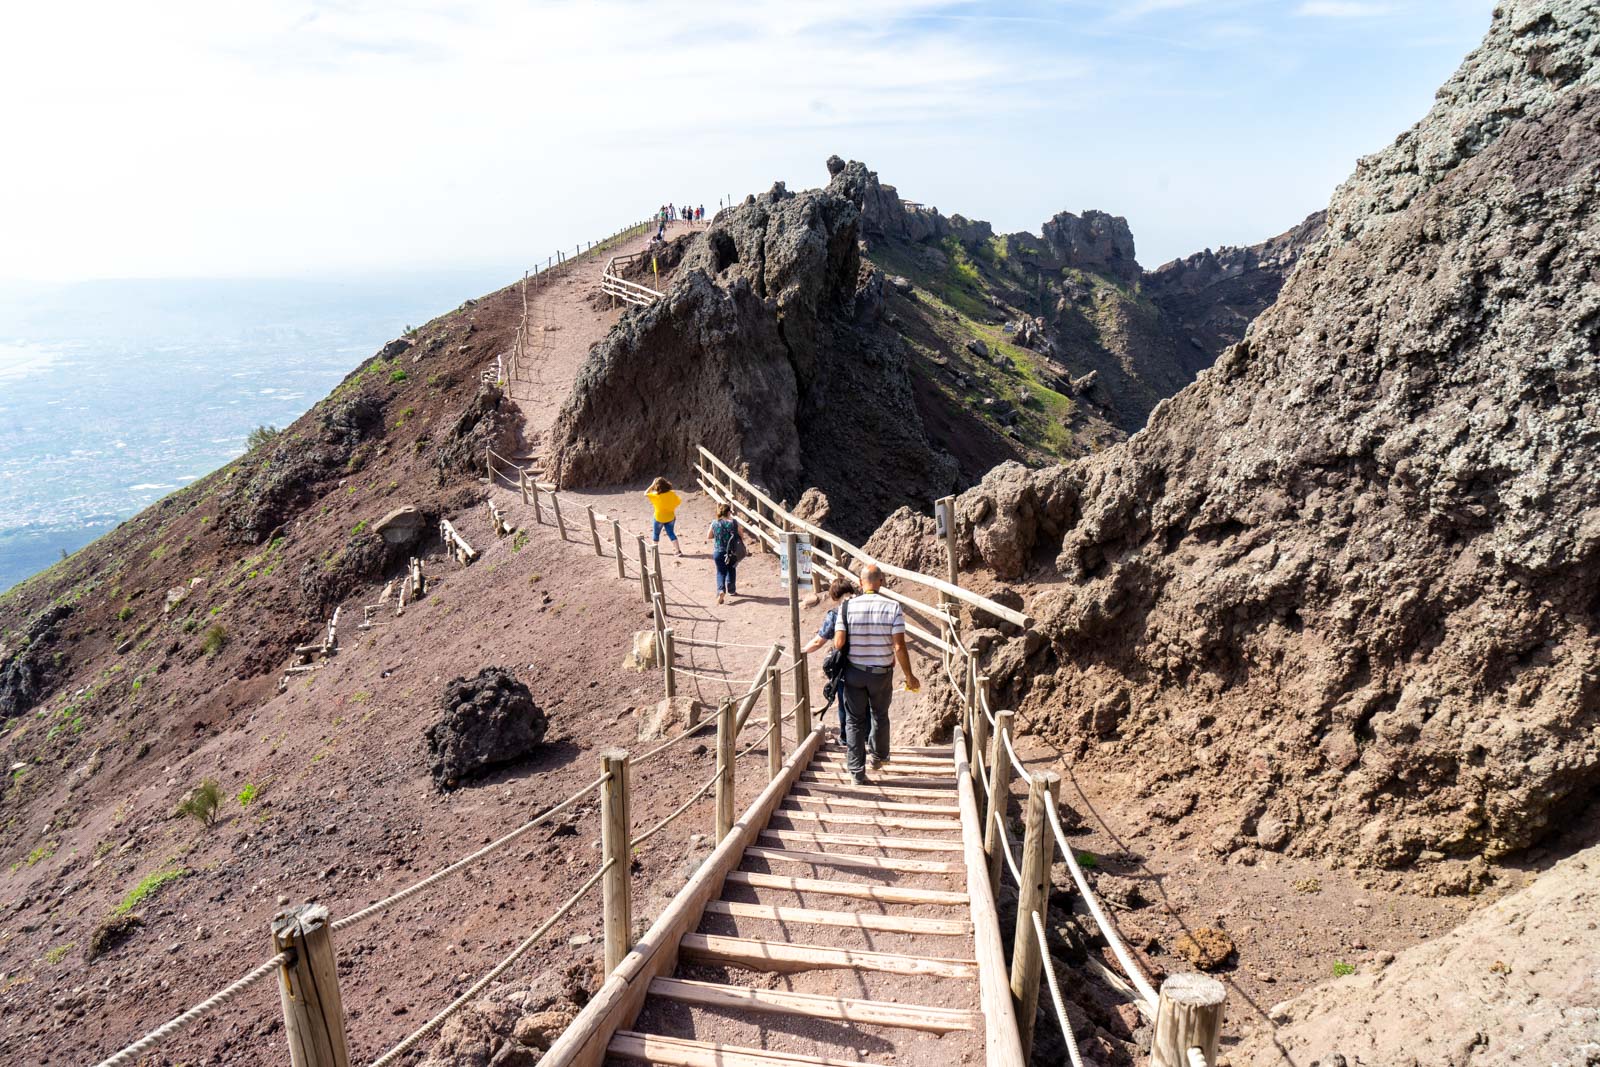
487	720
402	526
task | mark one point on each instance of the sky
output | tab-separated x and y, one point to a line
322	138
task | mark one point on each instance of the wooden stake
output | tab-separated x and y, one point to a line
774	722
725	733
953	572
522	484
802	707
1188	1016
538	513
791	548
669	675
655	567
308	986
1038	852
594	530
616	546
999	791
488	462
616	847
980	742
644	571
661	624
555	502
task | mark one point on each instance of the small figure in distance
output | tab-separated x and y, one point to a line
665	503
873	628
838	589
727	548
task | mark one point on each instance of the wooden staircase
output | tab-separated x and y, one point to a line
843	932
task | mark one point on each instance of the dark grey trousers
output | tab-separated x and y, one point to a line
865	697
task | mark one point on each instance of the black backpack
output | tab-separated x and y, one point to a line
837	659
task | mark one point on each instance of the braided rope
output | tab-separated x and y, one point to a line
494	846
1005	845
1055	992
714	678
982	772
494	972
1109	932
215	1000
698	794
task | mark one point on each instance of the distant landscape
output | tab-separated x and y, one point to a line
114	393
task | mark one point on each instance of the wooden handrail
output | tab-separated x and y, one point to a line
1000	611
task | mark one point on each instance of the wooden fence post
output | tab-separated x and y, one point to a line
802	687
308	986
949	505
668	654
616	847
555	502
522	484
538	513
616	546
644	571
999	790
594	530
724	770
774	722
1188	1015
660	611
488	463
802	706
655	567
980	734
1038	852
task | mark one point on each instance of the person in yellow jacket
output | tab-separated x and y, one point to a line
665	502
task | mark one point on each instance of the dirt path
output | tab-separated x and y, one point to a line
566	316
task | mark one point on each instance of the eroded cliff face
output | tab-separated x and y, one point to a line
1353	572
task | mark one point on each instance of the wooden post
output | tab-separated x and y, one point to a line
488	463
655	567
724	770
555	502
594	530
980	740
774	722
999	790
522	484
802	706
644	571
952	570
538	514
1038	852
616	846
308	986
616	546
802	689
660	611
1188	1015
669	677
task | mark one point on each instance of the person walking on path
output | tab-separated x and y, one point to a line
838	589
726	548
665	502
873	630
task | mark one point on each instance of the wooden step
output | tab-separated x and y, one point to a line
908	844
786	957
894	766
827	795
842	1009
934	787
850	859
946	761
921	750
842	784
889	822
893	771
680	1052
885	894
858	920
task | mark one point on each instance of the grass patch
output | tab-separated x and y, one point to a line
246	795
215	640
148	887
1343	970
1088	860
202	802
55	955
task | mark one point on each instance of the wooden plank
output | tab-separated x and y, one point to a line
828	784
908	844
786	957
802	794
893	773
679	1052
884	894
841	1009
938	763
617	1003
1002	1046
849	859
886	821
859	920
920	750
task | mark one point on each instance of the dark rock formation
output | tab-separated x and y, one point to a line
490	421
488	720
29	662
765	348
1355	565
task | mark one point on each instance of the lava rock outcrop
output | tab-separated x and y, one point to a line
488	720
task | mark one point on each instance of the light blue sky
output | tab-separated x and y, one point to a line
320	137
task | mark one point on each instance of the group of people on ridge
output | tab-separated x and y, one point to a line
671	213
866	632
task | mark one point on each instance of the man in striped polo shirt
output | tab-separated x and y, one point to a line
874	628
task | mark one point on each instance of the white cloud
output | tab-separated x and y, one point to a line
1341	9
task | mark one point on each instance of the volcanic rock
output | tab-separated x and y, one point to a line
488	720
402	526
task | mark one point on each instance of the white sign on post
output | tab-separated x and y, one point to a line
802	551
940	517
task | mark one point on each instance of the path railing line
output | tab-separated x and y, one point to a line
216	1000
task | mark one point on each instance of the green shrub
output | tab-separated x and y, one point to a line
259	436
397	375
202	802
1088	860
1343	970
126	613
246	795
215	640
358	528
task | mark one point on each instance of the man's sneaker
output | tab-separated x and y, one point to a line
874	763
860	778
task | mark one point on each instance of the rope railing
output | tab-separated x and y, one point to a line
1006	852
216	1000
679	810
455	1006
1055	994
